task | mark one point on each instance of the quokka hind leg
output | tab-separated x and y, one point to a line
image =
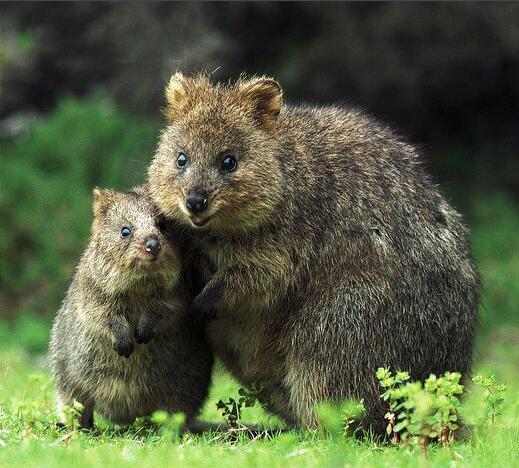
306	390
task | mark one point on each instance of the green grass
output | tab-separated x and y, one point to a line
28	434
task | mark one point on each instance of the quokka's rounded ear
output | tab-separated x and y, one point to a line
177	91
265	96
102	198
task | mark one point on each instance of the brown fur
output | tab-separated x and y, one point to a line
118	300
330	250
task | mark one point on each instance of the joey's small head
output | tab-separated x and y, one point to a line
131	238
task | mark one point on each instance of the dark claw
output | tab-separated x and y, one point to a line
204	307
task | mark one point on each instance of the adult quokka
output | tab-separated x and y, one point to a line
129	290
330	250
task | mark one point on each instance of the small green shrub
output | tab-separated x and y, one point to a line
390	382
421	413
494	396
231	410
338	420
169	424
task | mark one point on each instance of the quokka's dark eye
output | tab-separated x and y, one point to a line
229	164
126	232
181	160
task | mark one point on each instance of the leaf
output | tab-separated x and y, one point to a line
401	425
477	378
78	406
159	417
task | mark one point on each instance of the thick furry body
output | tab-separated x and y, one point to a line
355	262
109	307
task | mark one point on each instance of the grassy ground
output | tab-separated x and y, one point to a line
28	434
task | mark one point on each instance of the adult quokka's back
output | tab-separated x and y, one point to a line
128	290
330	250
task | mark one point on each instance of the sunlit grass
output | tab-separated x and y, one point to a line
28	434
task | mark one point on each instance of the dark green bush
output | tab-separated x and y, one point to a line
47	175
495	224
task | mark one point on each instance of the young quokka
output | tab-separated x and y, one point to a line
128	290
331	252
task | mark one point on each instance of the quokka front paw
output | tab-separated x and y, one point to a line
205	305
204	308
124	348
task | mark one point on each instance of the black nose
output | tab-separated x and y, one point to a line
152	246
196	202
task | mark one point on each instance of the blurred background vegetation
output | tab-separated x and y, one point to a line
81	88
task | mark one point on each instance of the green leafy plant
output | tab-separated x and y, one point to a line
421	413
494	396
231	410
446	404
170	425
390	382
337	420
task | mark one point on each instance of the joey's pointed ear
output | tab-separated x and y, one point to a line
102	199
176	95
264	96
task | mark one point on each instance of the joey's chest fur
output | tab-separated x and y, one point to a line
92	312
